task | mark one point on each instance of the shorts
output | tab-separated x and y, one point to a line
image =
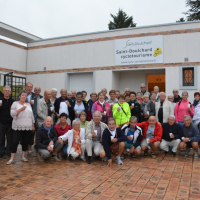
129	146
144	143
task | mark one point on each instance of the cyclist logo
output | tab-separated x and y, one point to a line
157	52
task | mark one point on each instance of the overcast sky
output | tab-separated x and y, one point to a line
53	18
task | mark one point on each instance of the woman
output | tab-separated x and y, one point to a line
80	105
76	141
134	106
62	128
22	125
53	94
139	97
102	106
153	97
183	107
196	105
83	121
121	111
147	108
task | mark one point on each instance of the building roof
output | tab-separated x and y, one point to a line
16	34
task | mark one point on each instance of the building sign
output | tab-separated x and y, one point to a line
141	50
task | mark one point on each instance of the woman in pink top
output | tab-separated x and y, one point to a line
102	106
22	125
182	108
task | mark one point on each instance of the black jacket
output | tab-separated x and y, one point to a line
5	117
42	138
136	110
175	129
150	108
177	99
70	109
106	140
137	138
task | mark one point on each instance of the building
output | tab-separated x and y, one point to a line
166	55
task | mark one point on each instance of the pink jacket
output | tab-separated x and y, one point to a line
181	110
97	106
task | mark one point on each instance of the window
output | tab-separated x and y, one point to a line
188	76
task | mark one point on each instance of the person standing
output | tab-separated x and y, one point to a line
163	109
37	91
177	98
6	123
53	95
196	105
104	90
73	98
22	125
143	90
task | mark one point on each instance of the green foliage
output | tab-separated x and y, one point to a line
121	20
181	20
194	12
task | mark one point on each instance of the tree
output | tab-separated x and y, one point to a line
181	20
121	20
194	12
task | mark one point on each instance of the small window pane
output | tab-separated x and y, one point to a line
188	76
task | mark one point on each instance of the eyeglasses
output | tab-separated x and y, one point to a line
96	116
76	124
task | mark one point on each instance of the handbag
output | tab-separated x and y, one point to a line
114	148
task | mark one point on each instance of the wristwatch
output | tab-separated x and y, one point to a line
189	140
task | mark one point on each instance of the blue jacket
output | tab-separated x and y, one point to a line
106	140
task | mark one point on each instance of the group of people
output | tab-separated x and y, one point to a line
103	127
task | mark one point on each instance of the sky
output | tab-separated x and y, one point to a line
54	18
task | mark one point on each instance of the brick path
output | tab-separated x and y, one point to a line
139	178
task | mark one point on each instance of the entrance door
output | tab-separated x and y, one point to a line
156	80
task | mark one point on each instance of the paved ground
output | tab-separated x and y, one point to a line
139	178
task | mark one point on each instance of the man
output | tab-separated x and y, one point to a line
44	108
63	105
143	90
191	136
147	108
152	135
156	90
112	135
46	141
84	96
127	91
177	98
163	109
93	98
133	135
69	95
117	93
172	133
37	91
171	99
32	100
73	98
6	122
93	136
104	90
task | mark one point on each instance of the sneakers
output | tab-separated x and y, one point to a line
104	159
196	155
32	154
54	158
173	153
59	156
146	152
89	160
187	152
153	155
118	160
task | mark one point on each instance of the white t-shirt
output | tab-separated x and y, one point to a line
63	108
150	132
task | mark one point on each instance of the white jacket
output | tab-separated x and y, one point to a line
167	110
69	136
196	112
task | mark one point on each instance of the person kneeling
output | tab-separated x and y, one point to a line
47	141
133	134
152	134
112	136
191	136
172	133
76	141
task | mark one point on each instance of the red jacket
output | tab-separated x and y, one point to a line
157	132
60	131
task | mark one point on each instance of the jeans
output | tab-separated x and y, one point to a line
5	130
64	149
